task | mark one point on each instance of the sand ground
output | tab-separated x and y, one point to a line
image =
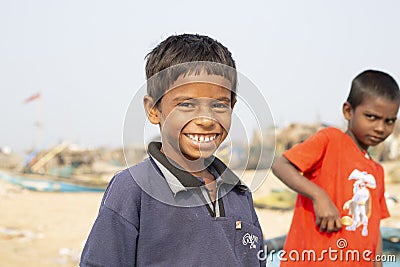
49	229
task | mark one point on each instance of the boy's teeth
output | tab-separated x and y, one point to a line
201	138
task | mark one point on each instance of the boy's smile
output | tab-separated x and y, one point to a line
194	120
371	122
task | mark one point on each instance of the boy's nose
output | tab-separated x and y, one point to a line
380	126
204	121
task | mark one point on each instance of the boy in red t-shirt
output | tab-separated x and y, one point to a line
341	189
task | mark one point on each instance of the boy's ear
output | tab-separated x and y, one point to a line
347	110
234	100
151	109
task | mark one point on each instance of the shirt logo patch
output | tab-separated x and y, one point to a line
359	205
250	239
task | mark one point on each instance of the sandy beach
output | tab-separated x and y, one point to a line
49	229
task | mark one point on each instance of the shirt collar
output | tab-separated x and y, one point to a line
180	180
172	181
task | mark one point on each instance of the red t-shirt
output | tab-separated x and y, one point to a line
355	184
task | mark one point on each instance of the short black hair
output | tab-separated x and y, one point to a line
373	83
205	53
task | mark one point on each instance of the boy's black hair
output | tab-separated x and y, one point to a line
201	53
373	83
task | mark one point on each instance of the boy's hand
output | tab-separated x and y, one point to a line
327	215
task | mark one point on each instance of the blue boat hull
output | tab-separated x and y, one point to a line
47	185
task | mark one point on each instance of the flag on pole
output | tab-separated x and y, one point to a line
32	98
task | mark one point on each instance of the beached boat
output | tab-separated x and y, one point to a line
48	185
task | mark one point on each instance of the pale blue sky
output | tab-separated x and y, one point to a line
86	58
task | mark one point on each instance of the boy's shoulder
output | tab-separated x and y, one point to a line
126	175
123	194
328	134
323	135
331	131
125	182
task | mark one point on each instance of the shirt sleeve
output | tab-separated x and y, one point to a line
111	242
308	154
382	200
113	238
384	209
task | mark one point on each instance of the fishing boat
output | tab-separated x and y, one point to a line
50	184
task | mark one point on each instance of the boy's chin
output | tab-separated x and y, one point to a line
372	144
199	156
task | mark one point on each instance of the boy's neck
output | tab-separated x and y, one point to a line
362	148
196	167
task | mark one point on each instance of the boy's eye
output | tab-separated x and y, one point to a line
221	105
370	117
186	104
390	121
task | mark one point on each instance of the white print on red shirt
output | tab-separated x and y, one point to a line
359	204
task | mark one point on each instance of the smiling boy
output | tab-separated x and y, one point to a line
339	183
181	206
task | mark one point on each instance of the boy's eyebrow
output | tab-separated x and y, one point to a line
380	117
182	98
392	119
373	114
226	99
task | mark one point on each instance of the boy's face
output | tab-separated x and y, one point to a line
371	122
194	119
